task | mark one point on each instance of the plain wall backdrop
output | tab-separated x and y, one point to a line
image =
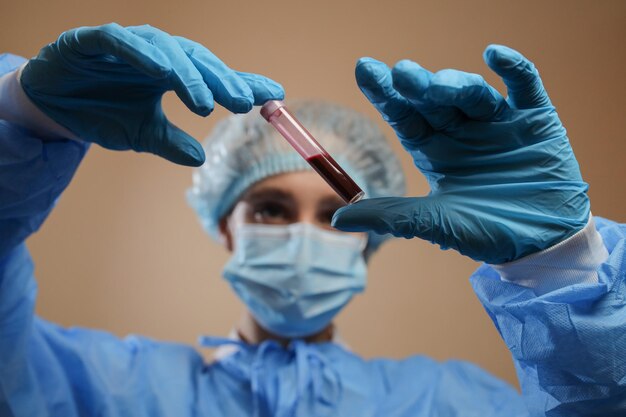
123	252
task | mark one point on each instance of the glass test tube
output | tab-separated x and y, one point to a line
303	142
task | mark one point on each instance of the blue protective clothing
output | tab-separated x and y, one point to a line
105	85
295	278
504	180
568	344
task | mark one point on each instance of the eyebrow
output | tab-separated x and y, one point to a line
268	192
332	201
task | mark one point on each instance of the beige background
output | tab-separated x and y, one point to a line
123	252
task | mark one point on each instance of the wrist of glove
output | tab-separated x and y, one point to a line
16	107
573	261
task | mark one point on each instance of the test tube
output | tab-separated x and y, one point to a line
303	142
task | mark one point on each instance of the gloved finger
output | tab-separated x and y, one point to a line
176	146
413	81
468	92
263	88
406	217
374	79
113	39
188	83
520	76
228	88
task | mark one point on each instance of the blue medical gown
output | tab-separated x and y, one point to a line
569	345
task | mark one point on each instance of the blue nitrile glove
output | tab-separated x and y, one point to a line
504	180
105	85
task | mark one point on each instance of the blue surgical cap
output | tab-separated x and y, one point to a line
244	149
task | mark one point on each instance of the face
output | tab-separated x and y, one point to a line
294	197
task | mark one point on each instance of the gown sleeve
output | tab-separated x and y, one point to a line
568	344
45	369
33	173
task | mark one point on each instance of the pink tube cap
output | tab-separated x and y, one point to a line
270	107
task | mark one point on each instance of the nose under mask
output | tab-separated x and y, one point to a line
294	279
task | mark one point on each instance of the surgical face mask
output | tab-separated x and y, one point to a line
295	278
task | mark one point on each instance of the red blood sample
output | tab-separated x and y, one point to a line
336	177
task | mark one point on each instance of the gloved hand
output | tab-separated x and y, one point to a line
105	85
504	180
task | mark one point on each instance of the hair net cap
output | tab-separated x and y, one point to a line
244	149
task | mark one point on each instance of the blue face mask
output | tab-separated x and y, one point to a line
294	279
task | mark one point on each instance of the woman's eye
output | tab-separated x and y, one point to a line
270	213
